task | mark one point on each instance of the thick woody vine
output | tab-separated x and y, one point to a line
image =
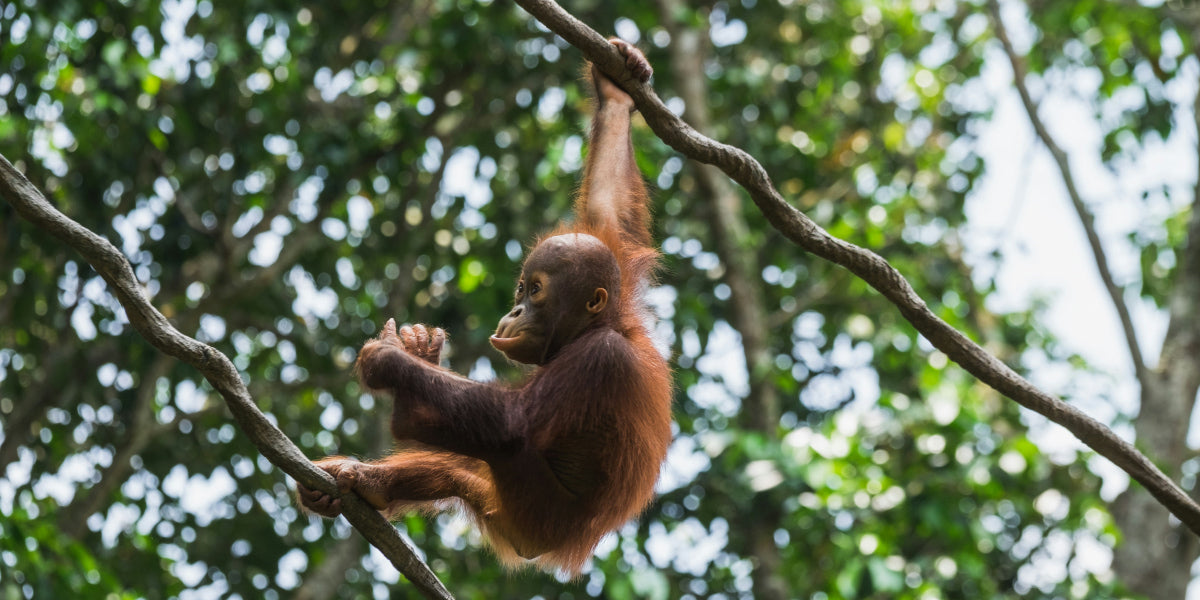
737	164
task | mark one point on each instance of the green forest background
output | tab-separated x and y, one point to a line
285	176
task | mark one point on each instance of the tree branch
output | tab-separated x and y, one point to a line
72	519
868	266
1115	292
216	368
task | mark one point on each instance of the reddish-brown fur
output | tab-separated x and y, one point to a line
548	468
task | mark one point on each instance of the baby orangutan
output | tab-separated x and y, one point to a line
548	468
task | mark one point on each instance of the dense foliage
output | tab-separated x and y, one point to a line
286	176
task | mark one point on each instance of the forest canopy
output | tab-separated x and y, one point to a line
284	178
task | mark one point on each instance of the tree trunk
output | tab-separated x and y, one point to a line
1155	555
760	407
323	581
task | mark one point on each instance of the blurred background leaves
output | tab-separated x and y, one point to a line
286	176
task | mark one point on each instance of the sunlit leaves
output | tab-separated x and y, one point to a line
285	178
